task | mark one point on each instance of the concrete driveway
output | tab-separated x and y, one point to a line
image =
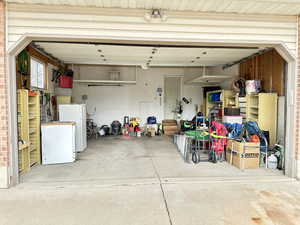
183	203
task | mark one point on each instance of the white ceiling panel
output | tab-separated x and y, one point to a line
74	53
276	7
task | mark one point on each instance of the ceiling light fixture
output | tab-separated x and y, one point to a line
145	66
155	15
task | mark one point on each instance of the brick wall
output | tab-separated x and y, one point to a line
4	159
297	135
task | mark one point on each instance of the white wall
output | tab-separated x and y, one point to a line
232	71
140	100
196	95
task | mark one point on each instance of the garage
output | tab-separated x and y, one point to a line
159	70
132	112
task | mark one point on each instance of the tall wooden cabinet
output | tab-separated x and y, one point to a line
28	129
23	131
34	126
262	108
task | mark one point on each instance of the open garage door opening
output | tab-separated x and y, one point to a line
120	112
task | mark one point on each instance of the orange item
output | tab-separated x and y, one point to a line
32	93
255	139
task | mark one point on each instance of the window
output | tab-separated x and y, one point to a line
37	74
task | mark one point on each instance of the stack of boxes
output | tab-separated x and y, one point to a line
170	127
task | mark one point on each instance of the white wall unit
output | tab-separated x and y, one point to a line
75	113
70	21
58	142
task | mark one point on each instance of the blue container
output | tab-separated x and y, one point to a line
216	97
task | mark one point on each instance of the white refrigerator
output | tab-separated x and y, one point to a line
75	113
58	142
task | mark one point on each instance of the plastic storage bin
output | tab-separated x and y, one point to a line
66	82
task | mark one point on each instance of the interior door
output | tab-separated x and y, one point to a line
171	96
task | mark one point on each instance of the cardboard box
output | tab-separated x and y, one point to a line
151	132
154	126
170	128
63	99
248	160
169	121
170	132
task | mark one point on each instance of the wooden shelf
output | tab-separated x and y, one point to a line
23	131
262	108
34	127
216	102
32	148
227	98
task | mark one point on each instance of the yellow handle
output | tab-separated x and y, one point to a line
213	134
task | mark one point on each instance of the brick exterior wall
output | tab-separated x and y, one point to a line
297	133
4	159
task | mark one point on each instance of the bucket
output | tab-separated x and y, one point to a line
272	162
253	86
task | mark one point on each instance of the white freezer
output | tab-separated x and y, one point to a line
58	142
75	113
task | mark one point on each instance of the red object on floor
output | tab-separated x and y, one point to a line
254	138
66	82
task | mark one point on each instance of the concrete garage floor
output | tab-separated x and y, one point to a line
145	182
115	160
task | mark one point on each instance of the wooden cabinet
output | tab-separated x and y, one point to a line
226	99
24	158
262	108
34	126
28	129
23	131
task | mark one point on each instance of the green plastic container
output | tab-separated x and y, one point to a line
197	134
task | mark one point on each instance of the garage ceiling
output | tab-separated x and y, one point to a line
276	7
141	55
